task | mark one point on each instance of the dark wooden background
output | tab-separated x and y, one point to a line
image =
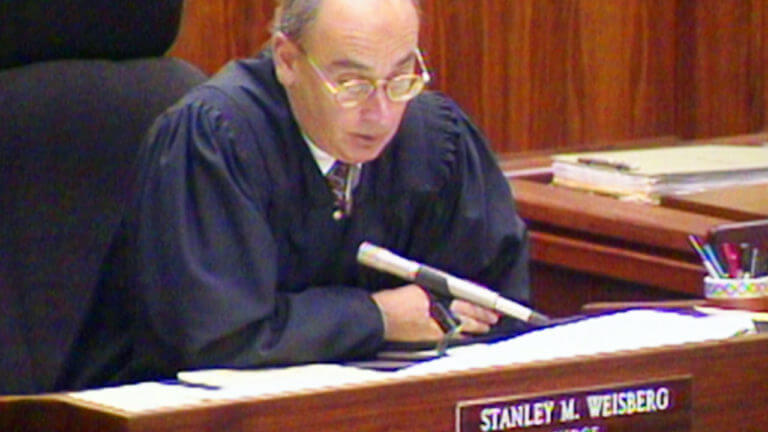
543	74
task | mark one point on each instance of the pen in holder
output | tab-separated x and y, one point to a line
740	293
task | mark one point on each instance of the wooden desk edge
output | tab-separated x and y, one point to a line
404	401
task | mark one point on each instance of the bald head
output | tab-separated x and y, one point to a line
344	41
292	17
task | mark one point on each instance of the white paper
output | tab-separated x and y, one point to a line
629	330
261	382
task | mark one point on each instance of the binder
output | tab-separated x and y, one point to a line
648	174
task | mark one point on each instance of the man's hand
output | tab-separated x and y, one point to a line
474	319
406	315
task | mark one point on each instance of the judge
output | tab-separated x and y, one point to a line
238	251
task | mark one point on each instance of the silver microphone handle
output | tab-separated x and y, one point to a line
482	296
386	261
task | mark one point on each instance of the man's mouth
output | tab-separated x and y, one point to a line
365	137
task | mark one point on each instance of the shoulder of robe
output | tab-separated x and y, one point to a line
430	143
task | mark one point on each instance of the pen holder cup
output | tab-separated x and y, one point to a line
737	293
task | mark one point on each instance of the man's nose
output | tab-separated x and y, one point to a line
378	106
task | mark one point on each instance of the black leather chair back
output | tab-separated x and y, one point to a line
80	84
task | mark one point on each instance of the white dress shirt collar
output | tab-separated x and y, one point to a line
324	160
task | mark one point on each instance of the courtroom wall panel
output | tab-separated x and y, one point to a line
721	66
215	31
543	74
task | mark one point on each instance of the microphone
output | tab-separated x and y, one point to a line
445	284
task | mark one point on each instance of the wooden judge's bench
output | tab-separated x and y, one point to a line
711	387
585	248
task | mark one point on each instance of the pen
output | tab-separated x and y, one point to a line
753	270
704	258
621	166
745	250
181	383
762	264
710	253
759	264
732	259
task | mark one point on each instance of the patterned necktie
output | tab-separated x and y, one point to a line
337	179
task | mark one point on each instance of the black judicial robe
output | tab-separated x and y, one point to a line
228	255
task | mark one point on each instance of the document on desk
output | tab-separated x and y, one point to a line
628	330
193	388
263	382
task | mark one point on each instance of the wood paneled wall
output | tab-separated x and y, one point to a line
539	74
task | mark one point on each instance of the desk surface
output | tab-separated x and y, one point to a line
727	388
741	203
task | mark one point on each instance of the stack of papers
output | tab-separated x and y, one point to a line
620	331
627	330
647	174
194	388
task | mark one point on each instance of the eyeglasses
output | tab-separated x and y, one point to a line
351	93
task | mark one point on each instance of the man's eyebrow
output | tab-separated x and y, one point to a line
352	64
407	59
347	64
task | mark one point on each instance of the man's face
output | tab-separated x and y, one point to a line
352	39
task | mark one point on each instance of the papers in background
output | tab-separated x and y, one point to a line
627	330
647	174
753	315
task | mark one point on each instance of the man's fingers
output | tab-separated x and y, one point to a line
471	325
470	312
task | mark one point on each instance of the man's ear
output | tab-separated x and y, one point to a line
285	55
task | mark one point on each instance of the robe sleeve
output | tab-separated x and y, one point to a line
472	212
207	260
